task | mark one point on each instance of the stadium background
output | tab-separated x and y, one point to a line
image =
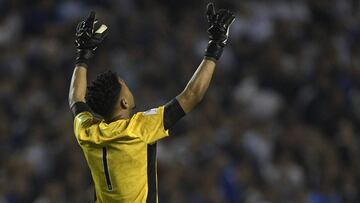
278	125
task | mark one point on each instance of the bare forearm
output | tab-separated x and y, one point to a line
200	81
78	85
86	42
197	86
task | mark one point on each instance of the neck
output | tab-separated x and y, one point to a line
119	115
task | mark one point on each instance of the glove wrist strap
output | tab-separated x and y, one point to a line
83	56
214	50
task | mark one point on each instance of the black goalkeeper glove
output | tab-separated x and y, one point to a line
219	24
87	40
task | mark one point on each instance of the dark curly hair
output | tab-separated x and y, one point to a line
103	93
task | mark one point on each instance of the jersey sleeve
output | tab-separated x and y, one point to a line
149	125
173	112
81	121
79	107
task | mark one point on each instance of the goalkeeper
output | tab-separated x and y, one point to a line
120	149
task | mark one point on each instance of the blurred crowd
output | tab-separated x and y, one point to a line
279	124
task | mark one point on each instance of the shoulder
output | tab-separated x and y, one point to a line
149	113
147	117
85	119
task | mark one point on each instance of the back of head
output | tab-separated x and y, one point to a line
103	93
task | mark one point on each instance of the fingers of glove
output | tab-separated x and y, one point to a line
210	12
221	16
89	22
77	44
229	19
93	27
79	26
81	29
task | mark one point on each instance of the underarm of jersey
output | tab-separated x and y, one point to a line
79	107
173	112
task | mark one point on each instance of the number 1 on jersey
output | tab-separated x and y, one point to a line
106	169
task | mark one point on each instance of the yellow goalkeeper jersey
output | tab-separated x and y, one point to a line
122	155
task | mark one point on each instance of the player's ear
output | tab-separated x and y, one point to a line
124	104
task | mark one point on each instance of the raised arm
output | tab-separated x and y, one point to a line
86	43
197	86
219	23
78	85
